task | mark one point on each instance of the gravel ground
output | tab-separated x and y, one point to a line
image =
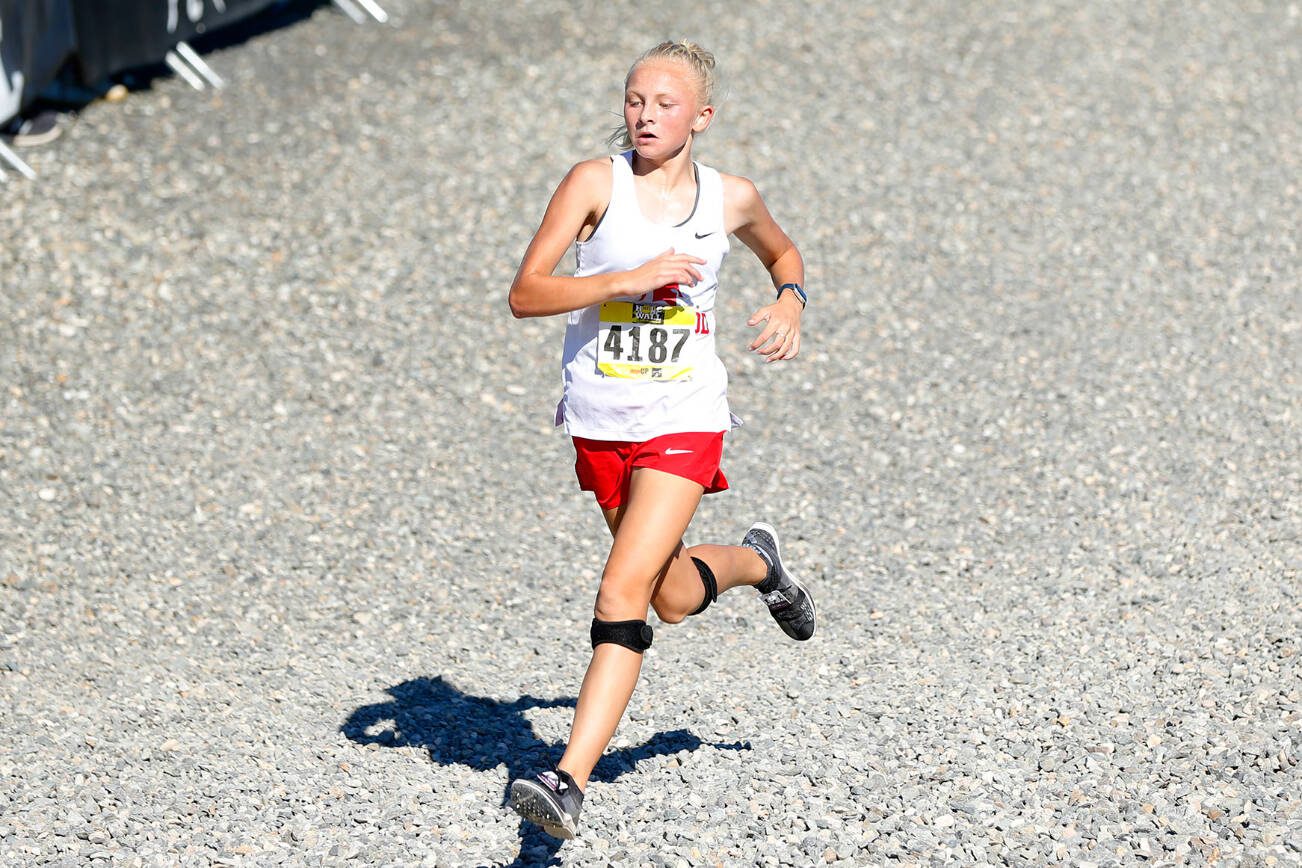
293	569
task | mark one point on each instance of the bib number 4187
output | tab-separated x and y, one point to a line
646	341
624	343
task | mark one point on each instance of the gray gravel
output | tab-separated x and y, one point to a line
293	570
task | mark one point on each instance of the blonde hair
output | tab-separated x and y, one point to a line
699	62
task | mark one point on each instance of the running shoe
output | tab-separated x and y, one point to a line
788	601
552	800
40	129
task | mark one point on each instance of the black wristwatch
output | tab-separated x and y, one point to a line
797	289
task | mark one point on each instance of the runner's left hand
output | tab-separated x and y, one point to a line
779	339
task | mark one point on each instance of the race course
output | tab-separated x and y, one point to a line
294	569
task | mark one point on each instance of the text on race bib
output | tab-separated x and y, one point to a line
647	340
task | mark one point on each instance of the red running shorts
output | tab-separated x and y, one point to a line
605	467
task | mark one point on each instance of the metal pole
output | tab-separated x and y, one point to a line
16	161
347	7
175	63
190	56
374	8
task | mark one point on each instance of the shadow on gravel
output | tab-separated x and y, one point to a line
482	733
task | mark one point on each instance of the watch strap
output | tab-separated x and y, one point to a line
797	289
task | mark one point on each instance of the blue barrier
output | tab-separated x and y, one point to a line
113	35
100	37
36	39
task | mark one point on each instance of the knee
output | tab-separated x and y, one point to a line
668	613
619	600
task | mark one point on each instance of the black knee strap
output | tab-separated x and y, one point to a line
633	635
711	586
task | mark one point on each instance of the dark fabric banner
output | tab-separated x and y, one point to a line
36	38
113	35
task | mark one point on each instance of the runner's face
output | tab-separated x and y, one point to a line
662	108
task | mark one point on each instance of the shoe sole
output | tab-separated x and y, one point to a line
34	138
777	548
531	801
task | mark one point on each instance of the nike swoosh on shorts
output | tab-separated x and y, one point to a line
678	452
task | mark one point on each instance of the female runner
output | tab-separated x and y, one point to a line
645	395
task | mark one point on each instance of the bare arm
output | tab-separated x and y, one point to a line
749	219
578	203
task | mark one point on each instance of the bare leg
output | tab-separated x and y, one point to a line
733	566
679	591
607	688
648	532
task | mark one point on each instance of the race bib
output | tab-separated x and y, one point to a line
647	340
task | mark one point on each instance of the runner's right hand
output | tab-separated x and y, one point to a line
666	269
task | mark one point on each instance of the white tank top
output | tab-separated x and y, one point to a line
639	367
